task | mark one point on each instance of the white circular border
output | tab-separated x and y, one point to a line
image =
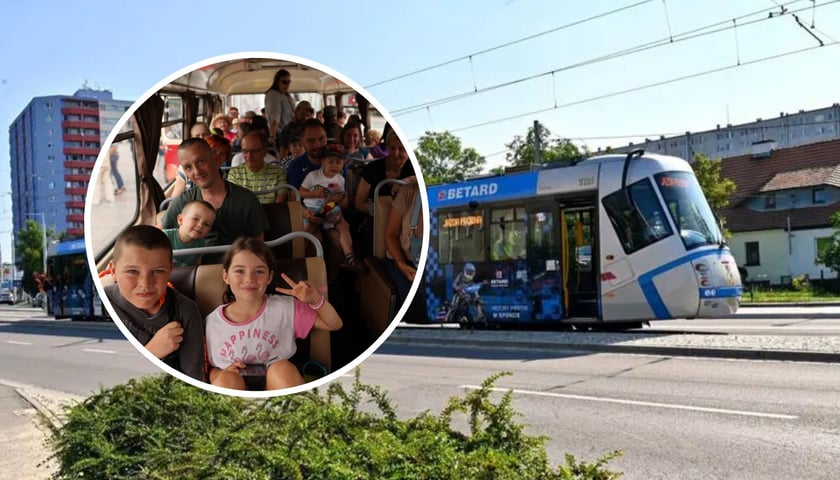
142	349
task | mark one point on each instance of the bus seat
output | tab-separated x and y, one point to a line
378	295
285	218
381	210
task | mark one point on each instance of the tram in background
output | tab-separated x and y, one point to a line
609	242
147	143
71	292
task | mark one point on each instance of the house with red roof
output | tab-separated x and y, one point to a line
780	214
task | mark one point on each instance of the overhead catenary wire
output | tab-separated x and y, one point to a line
510	43
688	35
641	87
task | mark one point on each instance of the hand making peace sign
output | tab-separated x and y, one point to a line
303	290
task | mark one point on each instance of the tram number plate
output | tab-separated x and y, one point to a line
586	181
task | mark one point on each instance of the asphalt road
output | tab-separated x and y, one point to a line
673	417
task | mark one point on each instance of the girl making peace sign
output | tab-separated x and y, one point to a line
259	329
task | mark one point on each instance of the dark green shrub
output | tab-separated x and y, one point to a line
159	428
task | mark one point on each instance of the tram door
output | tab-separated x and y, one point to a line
580	272
544	264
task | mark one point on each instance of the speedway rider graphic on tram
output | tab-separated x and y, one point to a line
466	298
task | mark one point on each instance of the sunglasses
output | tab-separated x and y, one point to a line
285	82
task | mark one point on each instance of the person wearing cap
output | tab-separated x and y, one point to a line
325	198
303	112
255	173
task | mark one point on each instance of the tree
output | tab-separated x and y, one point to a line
444	160
553	149
718	191
829	255
29	246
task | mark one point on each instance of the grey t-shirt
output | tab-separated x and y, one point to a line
189	358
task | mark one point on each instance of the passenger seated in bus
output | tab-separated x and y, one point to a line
395	165
380	149
167	323
351	139
330	125
256	329
372	137
256	174
295	150
303	112
324	197
269	158
194	224
221	122
238	211
221	147
404	239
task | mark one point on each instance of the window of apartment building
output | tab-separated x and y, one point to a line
818	195
48	104
48	117
51	185
49	145
753	257
770	201
50	158
821	245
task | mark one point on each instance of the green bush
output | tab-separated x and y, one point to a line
159	428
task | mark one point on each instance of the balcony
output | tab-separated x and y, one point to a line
75	217
75	191
67	137
74	204
75	177
79	124
80	111
76	232
80	151
79	164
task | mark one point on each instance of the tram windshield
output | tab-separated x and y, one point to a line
689	209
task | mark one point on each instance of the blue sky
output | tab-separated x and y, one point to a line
127	47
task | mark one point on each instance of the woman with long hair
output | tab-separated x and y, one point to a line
279	105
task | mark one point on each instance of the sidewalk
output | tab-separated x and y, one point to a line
24	413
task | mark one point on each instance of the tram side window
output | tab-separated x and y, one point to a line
461	236
507	234
638	218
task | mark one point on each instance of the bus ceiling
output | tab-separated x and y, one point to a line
255	75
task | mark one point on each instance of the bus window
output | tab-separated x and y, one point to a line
507	233
114	194
461	237
637	217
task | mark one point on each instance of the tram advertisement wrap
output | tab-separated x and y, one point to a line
497	290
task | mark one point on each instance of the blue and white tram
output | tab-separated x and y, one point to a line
613	239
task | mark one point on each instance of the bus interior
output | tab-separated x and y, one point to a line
146	143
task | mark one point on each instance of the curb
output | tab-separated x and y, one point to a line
788	304
675	351
811	316
64	323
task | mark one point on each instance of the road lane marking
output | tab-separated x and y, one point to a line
639	403
96	350
15	342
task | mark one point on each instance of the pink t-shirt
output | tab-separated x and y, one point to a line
266	338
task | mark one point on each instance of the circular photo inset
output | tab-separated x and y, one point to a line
256	224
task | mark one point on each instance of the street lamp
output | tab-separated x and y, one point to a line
44	233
